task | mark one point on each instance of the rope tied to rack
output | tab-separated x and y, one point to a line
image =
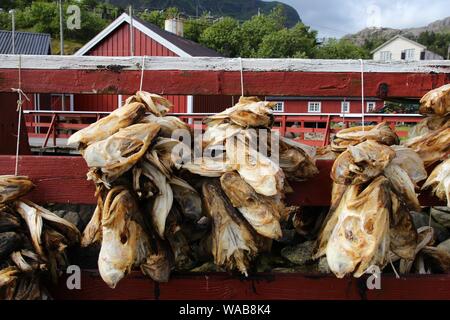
362	92
19	110
242	76
142	73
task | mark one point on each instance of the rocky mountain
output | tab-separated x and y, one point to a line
238	9
376	35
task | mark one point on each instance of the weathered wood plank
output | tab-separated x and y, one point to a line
320	84
57	179
63	180
218	64
220	286
221	76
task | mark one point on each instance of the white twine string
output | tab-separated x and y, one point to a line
242	76
19	120
142	72
362	92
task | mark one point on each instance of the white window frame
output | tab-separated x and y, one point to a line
342	106
385	55
410	54
279	106
314	110
371	103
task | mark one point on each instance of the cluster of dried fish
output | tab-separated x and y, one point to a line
141	201
374	182
245	180
430	138
33	242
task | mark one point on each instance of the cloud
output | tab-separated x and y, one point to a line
337	18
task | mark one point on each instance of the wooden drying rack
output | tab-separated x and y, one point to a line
62	179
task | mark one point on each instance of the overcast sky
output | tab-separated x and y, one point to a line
335	18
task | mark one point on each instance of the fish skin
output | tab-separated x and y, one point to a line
402	233
439	181
169	124
361	163
361	232
259	171
436	101
124	242
328	225
14	187
233	245
102	129
411	162
263	213
154	103
8	275
296	163
248	112
163	200
380	133
433	146
93	232
428	124
187	198
117	154
402	185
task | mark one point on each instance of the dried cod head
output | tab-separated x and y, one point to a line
110	158
14	187
360	237
402	234
436	101
433	146
38	219
296	163
331	219
361	163
162	203
258	170
426	125
168	124
380	133
248	112
124	241
118	119
233	244
439	181
155	104
410	161
263	213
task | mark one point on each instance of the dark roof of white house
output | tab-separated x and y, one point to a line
25	43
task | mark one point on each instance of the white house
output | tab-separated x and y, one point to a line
400	48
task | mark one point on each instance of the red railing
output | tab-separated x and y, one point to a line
311	129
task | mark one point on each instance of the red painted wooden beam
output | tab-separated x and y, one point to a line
188	82
63	180
277	286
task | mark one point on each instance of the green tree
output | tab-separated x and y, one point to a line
297	42
193	28
156	17
223	36
341	49
436	42
254	30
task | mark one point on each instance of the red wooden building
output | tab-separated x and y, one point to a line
314	105
146	40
